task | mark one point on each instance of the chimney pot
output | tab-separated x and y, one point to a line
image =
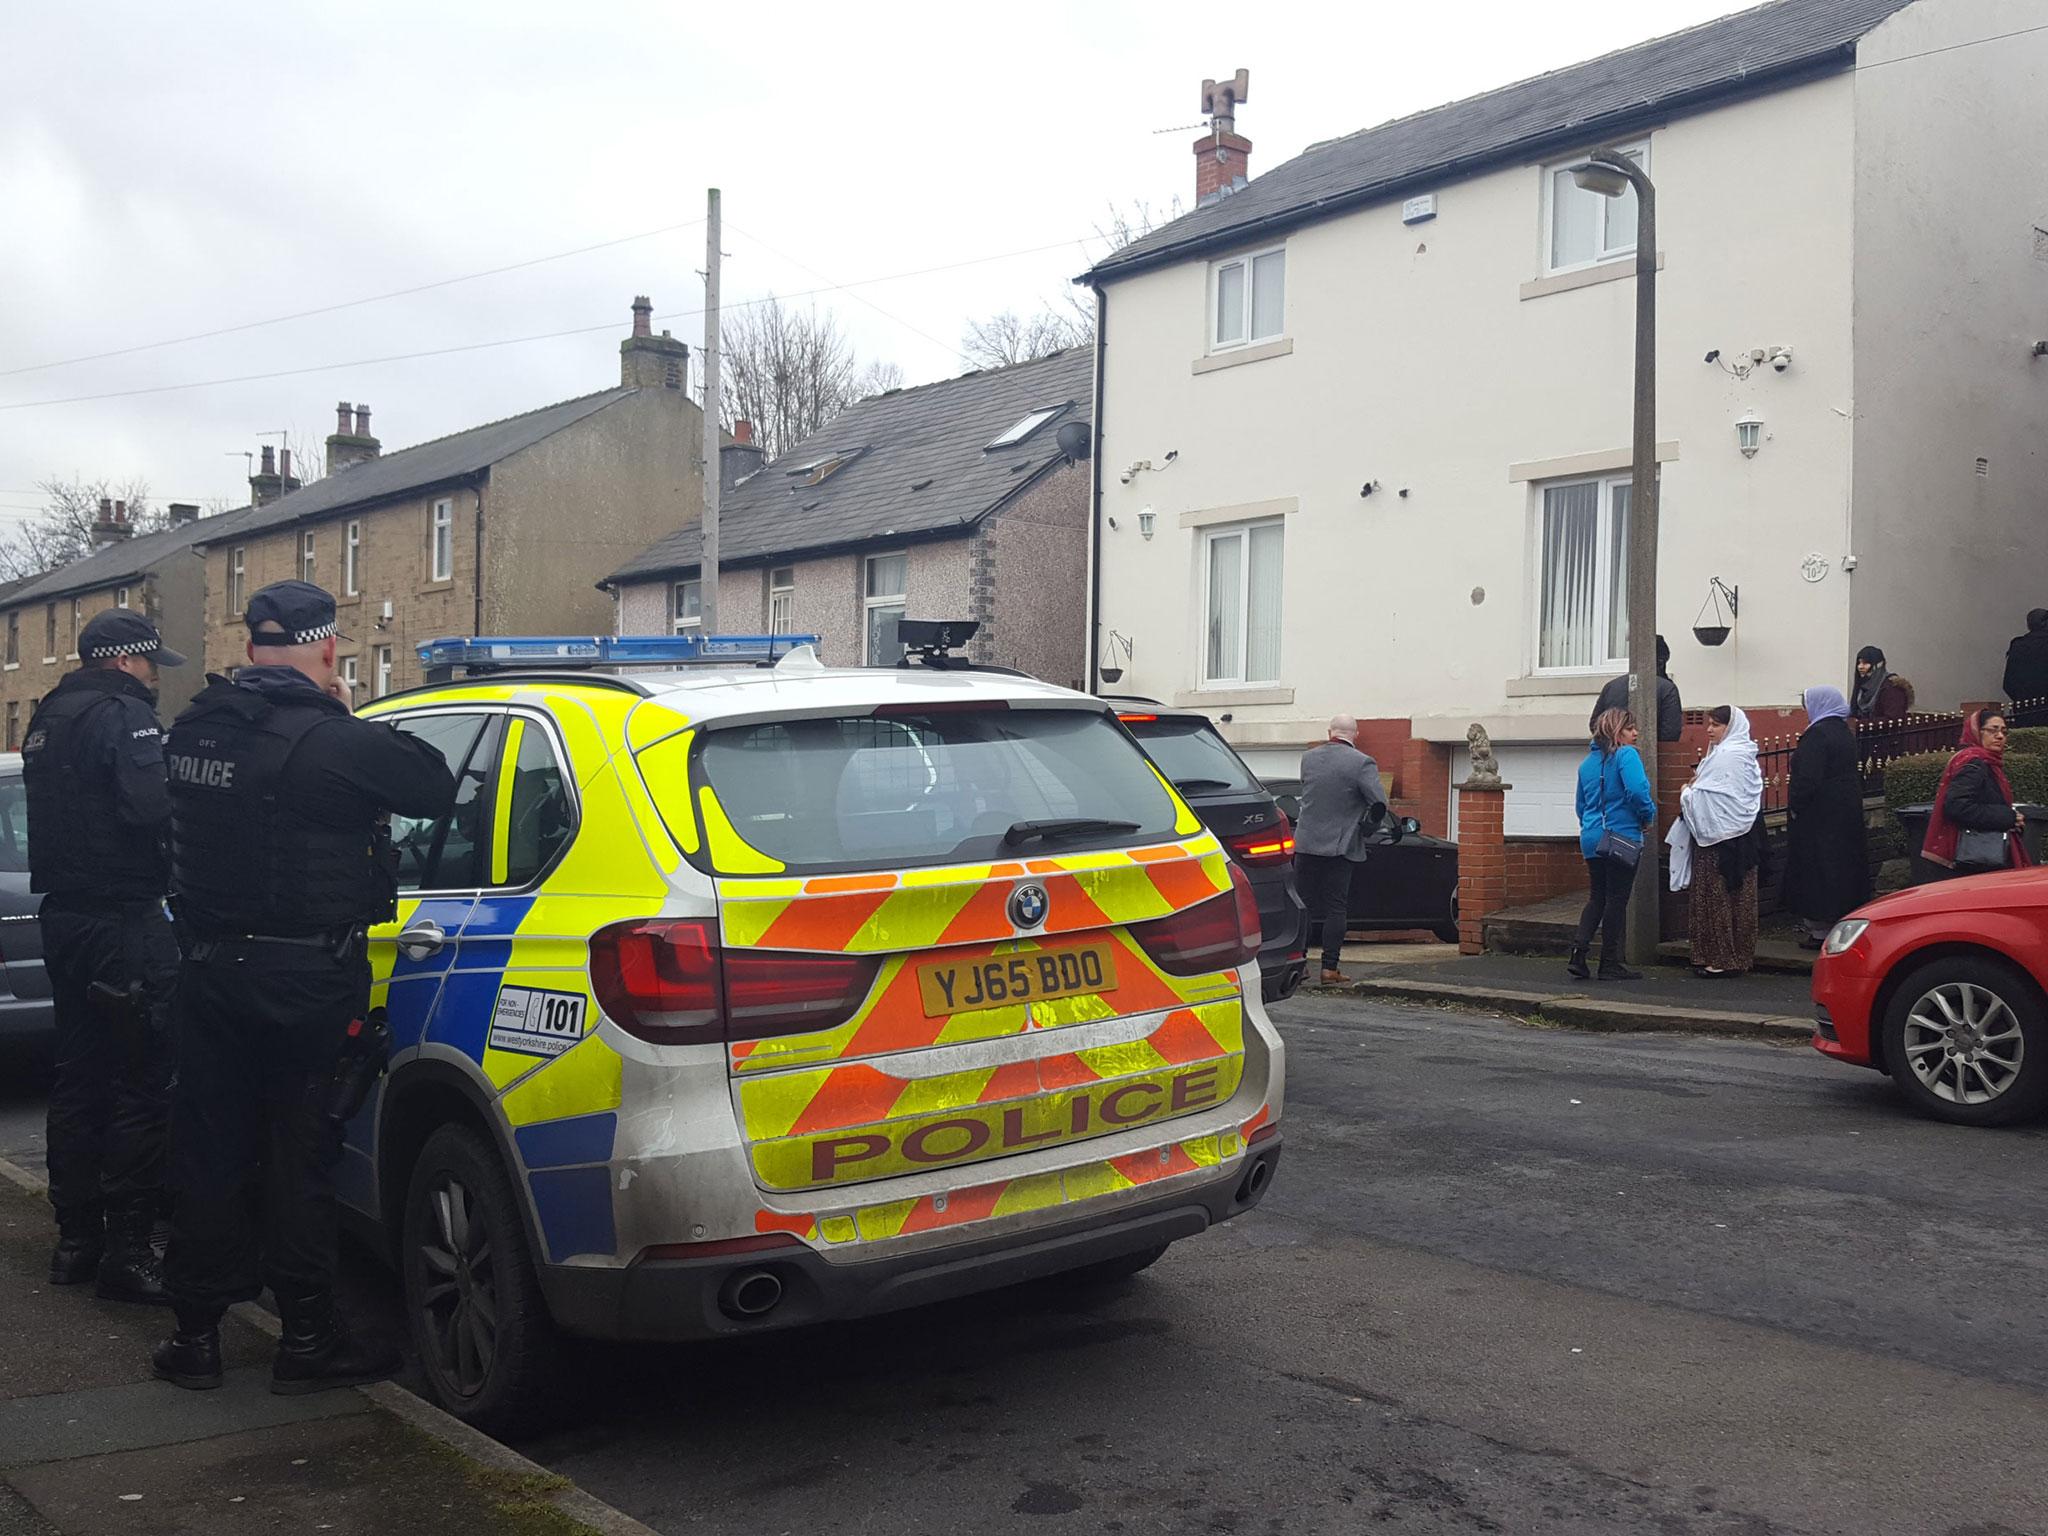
643	316
269	460
106	509
1222	155
362	420
341	419
743	431
120	511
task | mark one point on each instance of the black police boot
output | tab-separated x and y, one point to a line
190	1358
131	1270
318	1351
81	1239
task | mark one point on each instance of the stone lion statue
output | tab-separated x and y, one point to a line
1485	766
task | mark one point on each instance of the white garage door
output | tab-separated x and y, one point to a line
1545	776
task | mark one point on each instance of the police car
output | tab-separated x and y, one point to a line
749	996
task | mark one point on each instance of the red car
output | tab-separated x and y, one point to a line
1945	987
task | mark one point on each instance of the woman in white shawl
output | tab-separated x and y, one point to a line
1718	840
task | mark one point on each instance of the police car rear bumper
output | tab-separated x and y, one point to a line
679	1299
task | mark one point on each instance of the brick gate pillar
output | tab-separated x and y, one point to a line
1482	859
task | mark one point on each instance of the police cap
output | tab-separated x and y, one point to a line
118	632
291	613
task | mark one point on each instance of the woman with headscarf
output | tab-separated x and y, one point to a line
1879	693
1827	870
1721	812
1974	828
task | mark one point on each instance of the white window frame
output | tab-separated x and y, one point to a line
238	571
351	673
1603	576
352	560
77	623
120	597
382	655
782	600
306	555
678	624
1248	335
1637	150
1211	537
870	602
441	541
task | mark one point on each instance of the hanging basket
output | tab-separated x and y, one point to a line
1715	628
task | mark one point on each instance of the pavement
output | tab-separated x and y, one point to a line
1776	1003
91	1444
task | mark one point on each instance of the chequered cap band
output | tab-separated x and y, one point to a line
126	648
290	636
308	636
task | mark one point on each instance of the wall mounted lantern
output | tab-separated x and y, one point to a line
1749	434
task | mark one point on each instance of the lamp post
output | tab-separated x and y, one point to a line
1611	173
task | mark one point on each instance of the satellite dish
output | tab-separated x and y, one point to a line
1075	439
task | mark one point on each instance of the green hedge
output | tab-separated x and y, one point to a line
2027	741
1912	780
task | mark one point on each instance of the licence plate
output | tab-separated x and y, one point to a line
958	986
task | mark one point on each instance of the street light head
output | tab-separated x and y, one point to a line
1592	176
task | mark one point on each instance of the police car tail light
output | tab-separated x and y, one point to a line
658	979
1268	845
781	992
1219	934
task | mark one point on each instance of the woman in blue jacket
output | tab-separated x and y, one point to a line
1616	815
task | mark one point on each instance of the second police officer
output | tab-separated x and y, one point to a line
279	862
93	771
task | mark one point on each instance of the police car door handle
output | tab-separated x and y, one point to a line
422	939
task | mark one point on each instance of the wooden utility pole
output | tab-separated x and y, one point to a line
707	561
1646	899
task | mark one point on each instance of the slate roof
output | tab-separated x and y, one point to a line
1569	108
126	561
435	462
922	469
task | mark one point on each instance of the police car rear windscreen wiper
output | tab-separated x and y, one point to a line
1063	826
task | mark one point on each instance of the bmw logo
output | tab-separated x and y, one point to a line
1028	905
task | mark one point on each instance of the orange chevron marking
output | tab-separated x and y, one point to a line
1145	1167
851	1095
1018	1080
963	1205
986	917
1265	1113
1067	1071
826	922
1183	883
1182	1039
775	1221
827	885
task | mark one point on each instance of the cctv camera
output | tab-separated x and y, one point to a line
1713	356
1125	477
1781	359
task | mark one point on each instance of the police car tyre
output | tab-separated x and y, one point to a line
1966	1040
479	1323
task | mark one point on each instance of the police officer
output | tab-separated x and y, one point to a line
279	858
93	765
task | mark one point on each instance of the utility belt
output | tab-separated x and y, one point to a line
342	946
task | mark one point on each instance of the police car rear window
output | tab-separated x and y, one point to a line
953	786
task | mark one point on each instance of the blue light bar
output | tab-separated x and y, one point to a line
552	652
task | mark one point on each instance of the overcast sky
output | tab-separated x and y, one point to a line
172	170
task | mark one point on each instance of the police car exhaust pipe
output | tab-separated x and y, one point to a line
754	1293
1254	1184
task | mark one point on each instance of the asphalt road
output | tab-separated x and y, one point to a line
1508	1279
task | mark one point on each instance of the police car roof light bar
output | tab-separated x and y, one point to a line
486	653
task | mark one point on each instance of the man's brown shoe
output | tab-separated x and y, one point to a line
1334	978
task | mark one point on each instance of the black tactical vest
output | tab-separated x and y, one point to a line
78	845
244	859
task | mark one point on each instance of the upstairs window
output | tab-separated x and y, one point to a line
238	566
1241	580
782	600
352	560
1248	299
14	639
441	542
1582	550
887	578
689	614
1584	229
49	631
306	555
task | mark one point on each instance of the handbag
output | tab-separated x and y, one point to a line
1982	850
1612	845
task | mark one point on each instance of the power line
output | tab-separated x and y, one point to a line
1968	42
871	304
513	341
328	309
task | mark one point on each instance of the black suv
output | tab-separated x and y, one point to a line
1245	818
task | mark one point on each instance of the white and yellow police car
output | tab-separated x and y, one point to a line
744	997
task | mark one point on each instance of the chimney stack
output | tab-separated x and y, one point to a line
351	442
740	457
269	460
183	512
110	527
647	361
1222	157
266	485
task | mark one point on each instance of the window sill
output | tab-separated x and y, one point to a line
1258	352
13	666
1227	695
49	661
1550	685
442	584
348	600
1584	277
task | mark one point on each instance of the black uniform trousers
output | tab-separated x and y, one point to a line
260	1026
113	1069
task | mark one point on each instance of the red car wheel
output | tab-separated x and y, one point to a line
1966	1038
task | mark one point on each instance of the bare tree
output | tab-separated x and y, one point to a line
63	530
1069	319
789	371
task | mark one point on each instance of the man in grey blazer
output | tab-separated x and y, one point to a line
1341	801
